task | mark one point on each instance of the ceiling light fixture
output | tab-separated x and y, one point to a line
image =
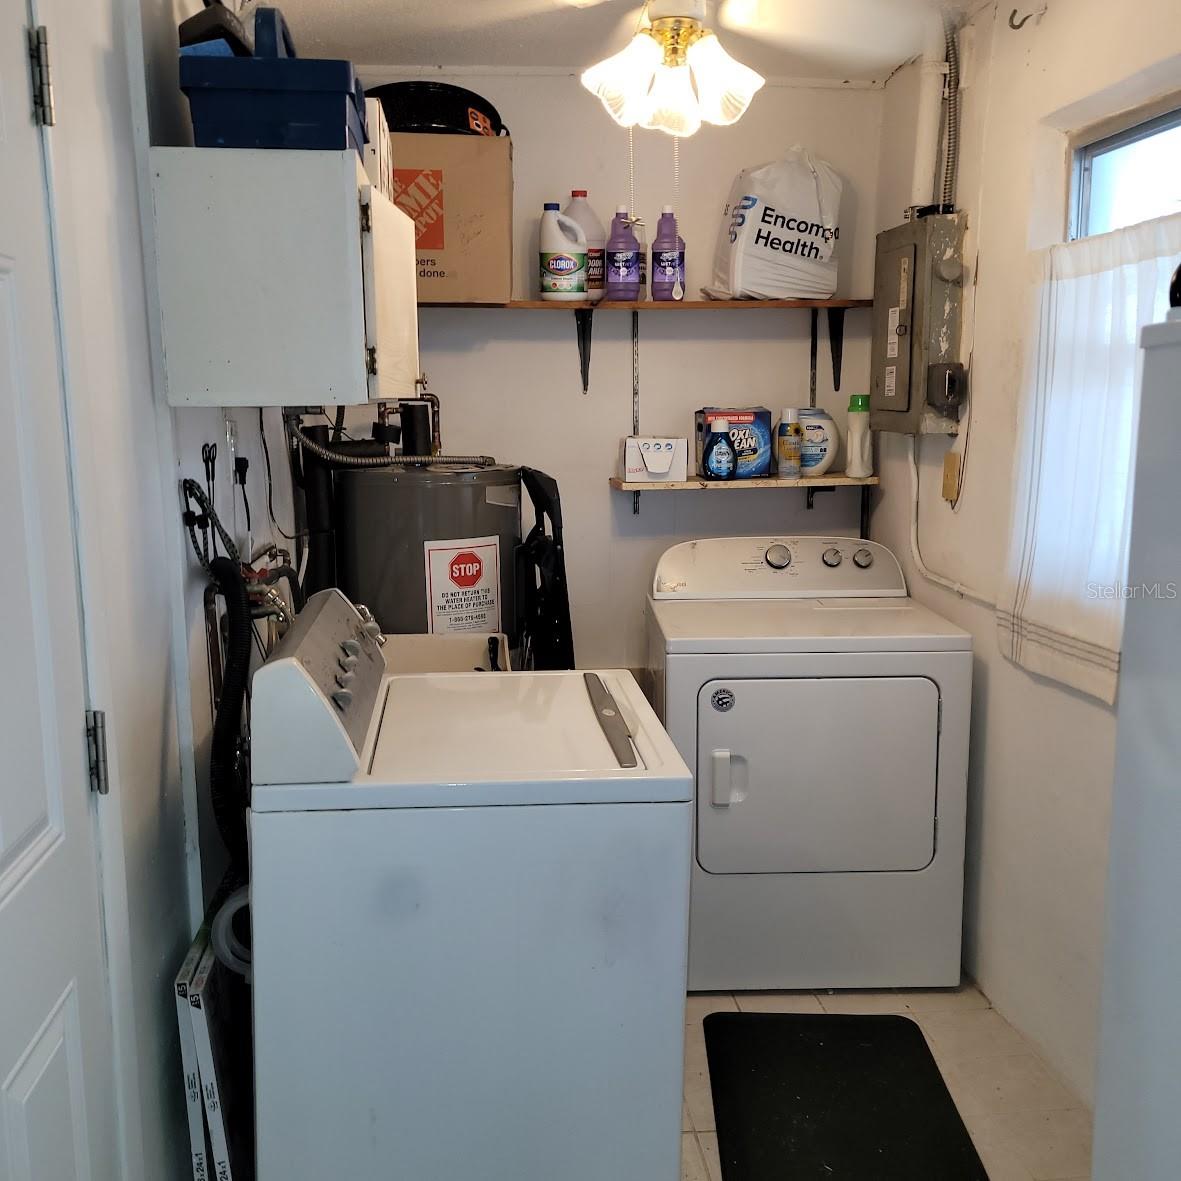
673	74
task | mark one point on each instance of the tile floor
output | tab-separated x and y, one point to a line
1027	1126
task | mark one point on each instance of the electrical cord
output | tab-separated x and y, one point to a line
967	420
241	467
930	575
266	455
209	462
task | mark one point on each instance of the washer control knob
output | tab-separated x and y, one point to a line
350	647
778	556
342	698
831	556
344	679
347	662
863	559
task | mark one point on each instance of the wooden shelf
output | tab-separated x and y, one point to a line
649	305
813	482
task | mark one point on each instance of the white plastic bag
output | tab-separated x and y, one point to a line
780	231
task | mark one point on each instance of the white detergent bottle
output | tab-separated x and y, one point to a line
562	243
821	441
579	210
859	441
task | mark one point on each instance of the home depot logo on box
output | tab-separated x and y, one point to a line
418	192
458	189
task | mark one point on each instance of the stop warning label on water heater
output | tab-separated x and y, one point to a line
463	585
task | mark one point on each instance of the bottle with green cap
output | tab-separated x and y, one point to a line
859	447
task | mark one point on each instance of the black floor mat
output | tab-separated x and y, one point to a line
832	1098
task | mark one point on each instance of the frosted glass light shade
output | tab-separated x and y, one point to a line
724	86
672	105
622	81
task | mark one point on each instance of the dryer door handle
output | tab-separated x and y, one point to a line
720	767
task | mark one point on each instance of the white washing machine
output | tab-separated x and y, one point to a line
825	715
470	900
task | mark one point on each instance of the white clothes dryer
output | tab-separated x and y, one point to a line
825	715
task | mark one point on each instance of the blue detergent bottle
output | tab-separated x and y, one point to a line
718	459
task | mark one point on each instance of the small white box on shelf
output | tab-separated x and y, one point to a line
655	460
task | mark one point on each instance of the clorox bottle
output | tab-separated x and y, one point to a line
562	243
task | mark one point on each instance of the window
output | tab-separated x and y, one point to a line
1129	177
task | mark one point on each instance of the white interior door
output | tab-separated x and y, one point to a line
57	1120
817	774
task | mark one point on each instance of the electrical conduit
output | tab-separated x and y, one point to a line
924	570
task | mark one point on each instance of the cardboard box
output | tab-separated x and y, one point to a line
750	432
459	191
652	460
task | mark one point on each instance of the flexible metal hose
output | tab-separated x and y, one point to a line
951	159
345	460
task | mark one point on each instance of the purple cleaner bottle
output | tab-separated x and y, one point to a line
621	259
668	259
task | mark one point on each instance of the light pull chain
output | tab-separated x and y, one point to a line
678	287
631	172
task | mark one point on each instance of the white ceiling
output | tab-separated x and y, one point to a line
822	39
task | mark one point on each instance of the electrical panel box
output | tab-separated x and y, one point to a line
917	299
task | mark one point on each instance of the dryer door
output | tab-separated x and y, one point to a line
816	775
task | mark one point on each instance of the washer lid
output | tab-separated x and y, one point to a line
805	625
476	739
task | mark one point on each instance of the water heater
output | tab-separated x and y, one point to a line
430	549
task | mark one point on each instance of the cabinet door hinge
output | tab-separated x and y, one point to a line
371	361
42	83
366	218
96	746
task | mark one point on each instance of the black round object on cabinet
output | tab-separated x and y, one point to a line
437	107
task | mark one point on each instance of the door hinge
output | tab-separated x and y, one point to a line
366	218
96	747
42	83
371	361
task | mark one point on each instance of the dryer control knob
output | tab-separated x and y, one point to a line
831	556
863	559
778	556
350	647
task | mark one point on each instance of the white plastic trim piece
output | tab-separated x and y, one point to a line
930	575
932	79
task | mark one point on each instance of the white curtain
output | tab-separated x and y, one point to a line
1061	608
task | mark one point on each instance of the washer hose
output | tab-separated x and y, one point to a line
228	782
345	460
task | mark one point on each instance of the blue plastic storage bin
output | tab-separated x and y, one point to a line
273	99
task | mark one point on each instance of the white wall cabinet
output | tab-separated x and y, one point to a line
285	279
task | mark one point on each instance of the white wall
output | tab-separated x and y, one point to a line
1042	755
509	379
124	529
183	432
